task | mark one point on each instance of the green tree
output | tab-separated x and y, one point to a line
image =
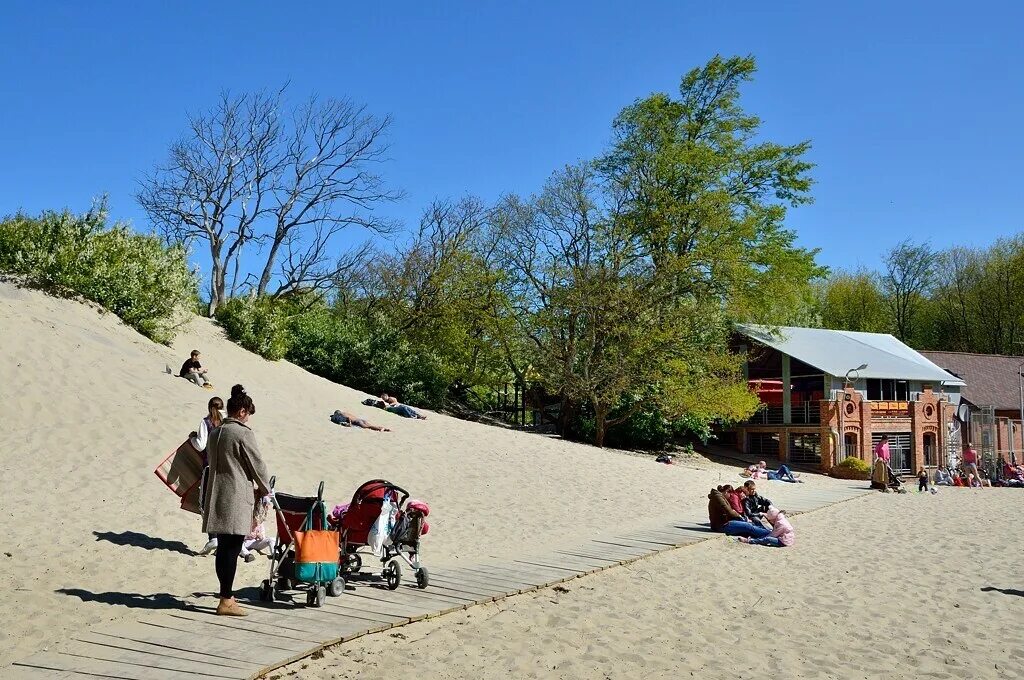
853	301
907	283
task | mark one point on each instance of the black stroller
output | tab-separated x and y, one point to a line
291	514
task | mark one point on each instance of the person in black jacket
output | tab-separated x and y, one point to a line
754	505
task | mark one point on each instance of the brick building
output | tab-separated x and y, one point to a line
825	392
990	401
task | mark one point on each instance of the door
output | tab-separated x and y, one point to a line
805	448
900	451
764	444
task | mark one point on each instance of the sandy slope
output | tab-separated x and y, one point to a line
912	586
86	413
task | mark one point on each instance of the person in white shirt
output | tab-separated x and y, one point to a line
198	439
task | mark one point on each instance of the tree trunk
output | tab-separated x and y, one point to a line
217	280
601	426
268	269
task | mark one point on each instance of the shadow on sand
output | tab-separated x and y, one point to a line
131	600
1004	591
138	540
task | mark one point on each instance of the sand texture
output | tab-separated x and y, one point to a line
90	534
883	586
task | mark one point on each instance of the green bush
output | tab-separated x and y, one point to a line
260	325
851	468
366	354
135	276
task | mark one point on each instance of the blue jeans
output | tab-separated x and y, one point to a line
770	541
738	527
404	411
783	474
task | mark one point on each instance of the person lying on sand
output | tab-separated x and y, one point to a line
194	371
782	534
726	520
392	405
783	473
346	419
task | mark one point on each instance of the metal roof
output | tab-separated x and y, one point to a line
836	352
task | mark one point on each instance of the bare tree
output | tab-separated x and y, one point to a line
287	183
909	277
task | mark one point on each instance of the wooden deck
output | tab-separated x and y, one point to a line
192	644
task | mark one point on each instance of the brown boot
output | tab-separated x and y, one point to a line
229	607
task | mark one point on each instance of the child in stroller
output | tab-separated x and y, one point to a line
381	517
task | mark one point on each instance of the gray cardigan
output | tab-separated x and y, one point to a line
235	465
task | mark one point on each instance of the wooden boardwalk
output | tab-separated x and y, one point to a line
192	644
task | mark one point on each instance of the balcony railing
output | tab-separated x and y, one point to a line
807	413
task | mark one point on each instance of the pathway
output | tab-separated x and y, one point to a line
191	644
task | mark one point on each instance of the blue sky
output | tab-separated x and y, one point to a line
913	109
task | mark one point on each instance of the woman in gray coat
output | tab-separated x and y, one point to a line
235	466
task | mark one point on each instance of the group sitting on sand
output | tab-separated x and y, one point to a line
742	512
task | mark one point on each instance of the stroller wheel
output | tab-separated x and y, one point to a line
336	587
266	591
353	563
393	574
422	578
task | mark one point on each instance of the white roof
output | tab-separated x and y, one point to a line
836	352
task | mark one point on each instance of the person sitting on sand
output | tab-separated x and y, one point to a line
346	419
392	405
754	505
782	534
734	497
942	477
194	371
726	520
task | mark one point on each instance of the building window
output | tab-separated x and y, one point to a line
888	390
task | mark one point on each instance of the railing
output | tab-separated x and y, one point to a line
807	413
767	415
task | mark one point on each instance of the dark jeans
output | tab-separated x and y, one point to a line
769	541
738	527
783	473
229	547
922	485
404	411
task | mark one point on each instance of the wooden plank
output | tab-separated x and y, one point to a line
479	592
597	560
330	624
405	610
222	658
423	594
650	547
542	567
613	550
29	673
198	640
133	657
501	579
230	628
428	606
474	584
107	669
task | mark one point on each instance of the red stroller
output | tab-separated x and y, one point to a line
404	528
291	514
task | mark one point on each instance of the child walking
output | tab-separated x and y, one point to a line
256	541
782	534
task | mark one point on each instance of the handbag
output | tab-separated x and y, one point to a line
316	550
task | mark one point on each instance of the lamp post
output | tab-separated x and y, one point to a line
853	375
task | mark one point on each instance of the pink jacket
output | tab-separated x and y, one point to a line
882	451
781	528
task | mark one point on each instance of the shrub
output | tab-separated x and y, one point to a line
135	276
259	325
851	468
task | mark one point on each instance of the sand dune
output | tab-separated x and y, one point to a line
87	412
884	586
